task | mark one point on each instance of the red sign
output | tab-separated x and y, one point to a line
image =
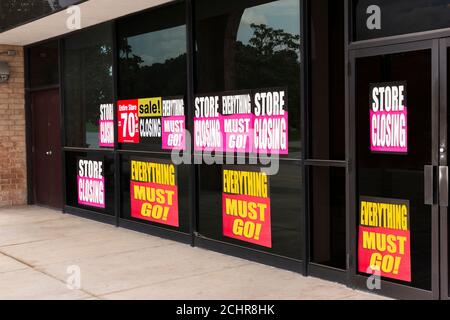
384	245
154	193
246	207
128	121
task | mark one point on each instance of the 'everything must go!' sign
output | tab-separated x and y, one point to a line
384	238
246	207
91	183
389	118
153	120
244	122
154	192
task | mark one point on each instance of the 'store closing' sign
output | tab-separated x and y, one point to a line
154	192
384	238
91	183
389	118
246	207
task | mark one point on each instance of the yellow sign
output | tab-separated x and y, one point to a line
150	108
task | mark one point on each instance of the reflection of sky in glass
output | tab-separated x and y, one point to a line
283	14
159	46
61	3
64	3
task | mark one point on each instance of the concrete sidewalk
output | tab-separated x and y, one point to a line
37	246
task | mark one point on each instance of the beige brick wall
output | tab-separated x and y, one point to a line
13	168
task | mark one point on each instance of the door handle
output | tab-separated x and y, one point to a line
429	186
443	186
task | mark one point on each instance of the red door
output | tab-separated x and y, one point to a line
47	180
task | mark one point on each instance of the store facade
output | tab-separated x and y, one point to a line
307	135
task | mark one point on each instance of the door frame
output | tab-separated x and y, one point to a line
444	46
354	279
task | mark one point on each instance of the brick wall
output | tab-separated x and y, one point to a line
13	186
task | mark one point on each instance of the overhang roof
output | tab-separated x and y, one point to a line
92	12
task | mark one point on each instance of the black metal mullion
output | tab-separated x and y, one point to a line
304	93
62	120
193	170
349	145
117	158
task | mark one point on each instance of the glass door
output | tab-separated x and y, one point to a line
394	217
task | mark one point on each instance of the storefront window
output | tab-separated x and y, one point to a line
327	81
247	50
327	211
169	208
251	44
43	70
152	117
88	87
90	181
326	119
279	228
383	18
152	72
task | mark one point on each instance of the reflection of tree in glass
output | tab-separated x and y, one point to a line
98	76
268	41
271	59
158	79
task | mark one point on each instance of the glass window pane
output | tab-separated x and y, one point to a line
152	64
92	188
328	216
143	208
327	107
285	208
386	176
44	65
398	17
251	44
88	84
